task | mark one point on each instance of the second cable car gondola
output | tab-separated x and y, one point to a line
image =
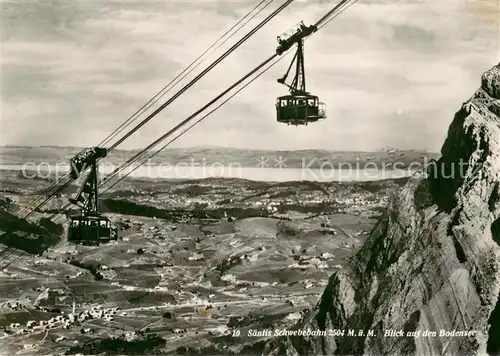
299	107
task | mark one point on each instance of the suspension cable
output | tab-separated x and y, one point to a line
186	71
8	251
194	124
182	123
30	208
154	143
352	2
321	23
332	11
59	190
205	71
187	129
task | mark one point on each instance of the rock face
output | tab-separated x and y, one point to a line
433	261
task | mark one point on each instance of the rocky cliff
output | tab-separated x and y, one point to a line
433	261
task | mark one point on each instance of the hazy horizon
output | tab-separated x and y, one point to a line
392	73
209	147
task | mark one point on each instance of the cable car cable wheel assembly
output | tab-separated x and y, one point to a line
298	108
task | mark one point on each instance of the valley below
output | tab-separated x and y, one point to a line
202	266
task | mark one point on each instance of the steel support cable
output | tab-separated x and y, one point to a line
205	116
194	124
59	190
8	254
186	71
6	250
142	152
182	123
346	6
186	130
215	109
205	71
10	250
63	184
325	18
162	92
331	12
22	253
41	195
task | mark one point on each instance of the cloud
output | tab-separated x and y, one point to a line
73	72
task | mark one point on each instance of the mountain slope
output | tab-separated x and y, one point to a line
432	262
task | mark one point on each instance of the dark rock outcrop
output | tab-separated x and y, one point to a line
433	261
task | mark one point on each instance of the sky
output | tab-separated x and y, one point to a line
392	73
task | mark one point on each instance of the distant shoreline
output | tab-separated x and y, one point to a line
382	150
321	159
255	165
260	174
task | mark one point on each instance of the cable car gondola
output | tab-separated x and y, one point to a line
299	107
89	226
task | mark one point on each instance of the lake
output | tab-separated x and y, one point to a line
266	174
